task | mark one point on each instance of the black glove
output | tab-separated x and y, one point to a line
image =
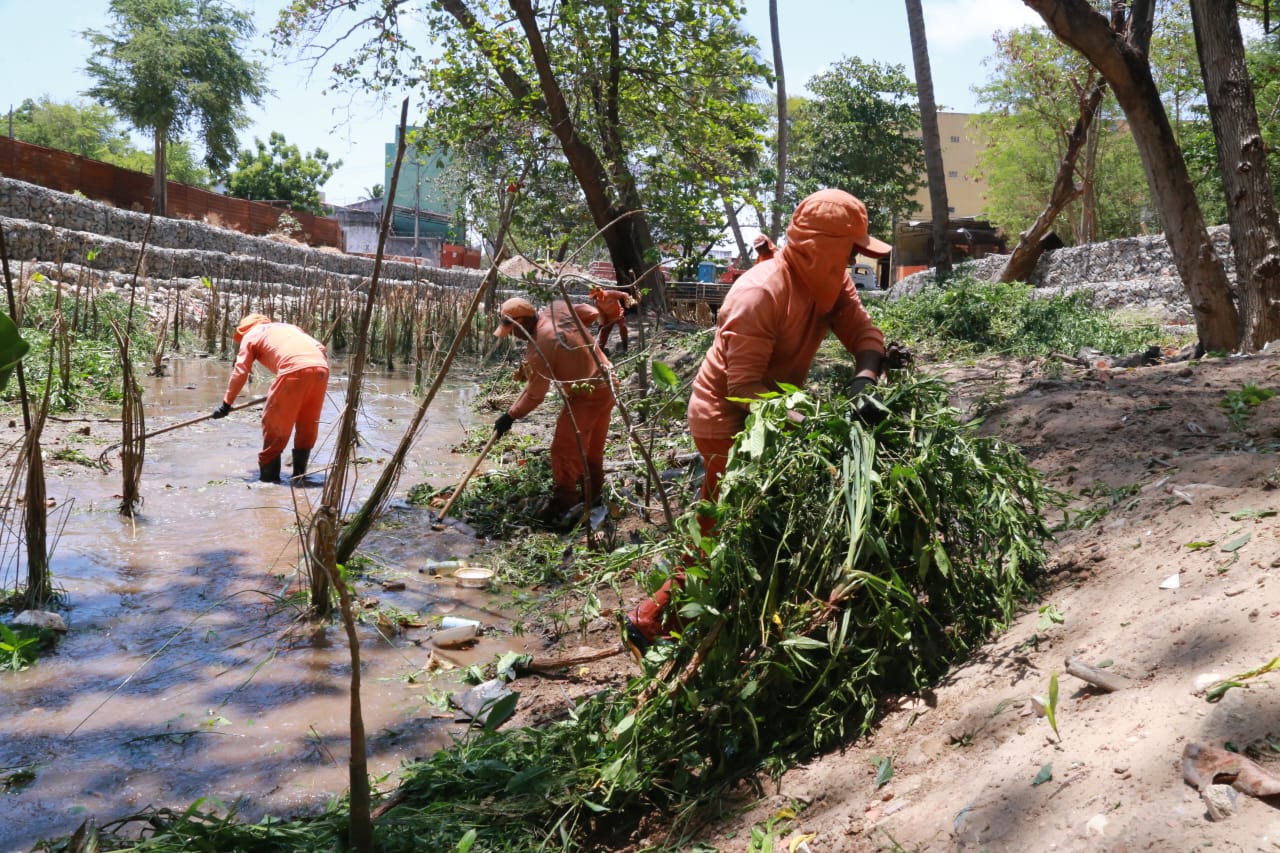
503	424
865	406
222	411
859	385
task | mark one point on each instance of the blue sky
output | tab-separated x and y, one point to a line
47	57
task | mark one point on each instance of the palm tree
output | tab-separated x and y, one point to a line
932	141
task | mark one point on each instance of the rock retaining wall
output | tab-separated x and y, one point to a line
1136	273
50	227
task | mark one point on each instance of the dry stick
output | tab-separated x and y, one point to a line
13	315
362	521
326	527
103	456
1103	680
493	437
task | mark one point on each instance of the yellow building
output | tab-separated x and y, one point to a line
965	193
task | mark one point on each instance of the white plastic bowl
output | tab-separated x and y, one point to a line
475	577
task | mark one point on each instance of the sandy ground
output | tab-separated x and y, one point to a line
1189	497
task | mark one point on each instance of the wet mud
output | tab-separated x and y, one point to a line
189	670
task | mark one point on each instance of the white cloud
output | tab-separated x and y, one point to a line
957	24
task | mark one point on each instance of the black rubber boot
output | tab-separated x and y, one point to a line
270	473
300	458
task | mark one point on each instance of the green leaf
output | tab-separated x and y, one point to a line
501	711
1252	513
12	348
884	770
664	376
1238	543
1199	545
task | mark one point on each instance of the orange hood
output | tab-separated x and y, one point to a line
248	322
823	232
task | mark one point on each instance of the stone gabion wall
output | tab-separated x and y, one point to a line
53	227
1135	273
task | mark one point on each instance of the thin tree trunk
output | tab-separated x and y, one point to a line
159	180
780	189
622	221
939	206
1251	210
1022	261
1122	60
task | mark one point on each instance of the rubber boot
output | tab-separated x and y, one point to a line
270	473
626	341
300	458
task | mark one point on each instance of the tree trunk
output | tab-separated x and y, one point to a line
1251	210
938	204
621	221
1122	60
780	189
1023	259
160	180
731	217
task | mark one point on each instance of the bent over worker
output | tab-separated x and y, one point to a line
559	353
296	395
612	305
769	329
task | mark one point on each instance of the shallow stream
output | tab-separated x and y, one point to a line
182	675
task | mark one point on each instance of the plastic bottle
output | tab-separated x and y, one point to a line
458	622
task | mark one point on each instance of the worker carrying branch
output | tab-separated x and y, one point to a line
612	305
560	354
297	393
769	329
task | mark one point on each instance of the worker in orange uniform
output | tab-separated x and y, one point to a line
612	305
765	250
560	353
296	395
769	329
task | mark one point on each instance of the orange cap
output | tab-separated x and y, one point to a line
248	322
510	313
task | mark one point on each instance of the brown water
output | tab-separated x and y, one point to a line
183	675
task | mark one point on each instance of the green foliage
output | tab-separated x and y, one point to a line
659	107
1051	707
971	317
94	357
1032	102
19	647
170	65
500	501
282	173
1241	402
12	348
861	133
93	130
85	129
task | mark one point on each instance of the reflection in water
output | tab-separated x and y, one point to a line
188	670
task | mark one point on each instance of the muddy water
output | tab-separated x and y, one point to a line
186	673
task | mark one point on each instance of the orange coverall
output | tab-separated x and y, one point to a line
769	329
612	304
560	353
296	395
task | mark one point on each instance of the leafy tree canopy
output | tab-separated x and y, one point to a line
94	131
861	133
169	66
651	90
281	172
